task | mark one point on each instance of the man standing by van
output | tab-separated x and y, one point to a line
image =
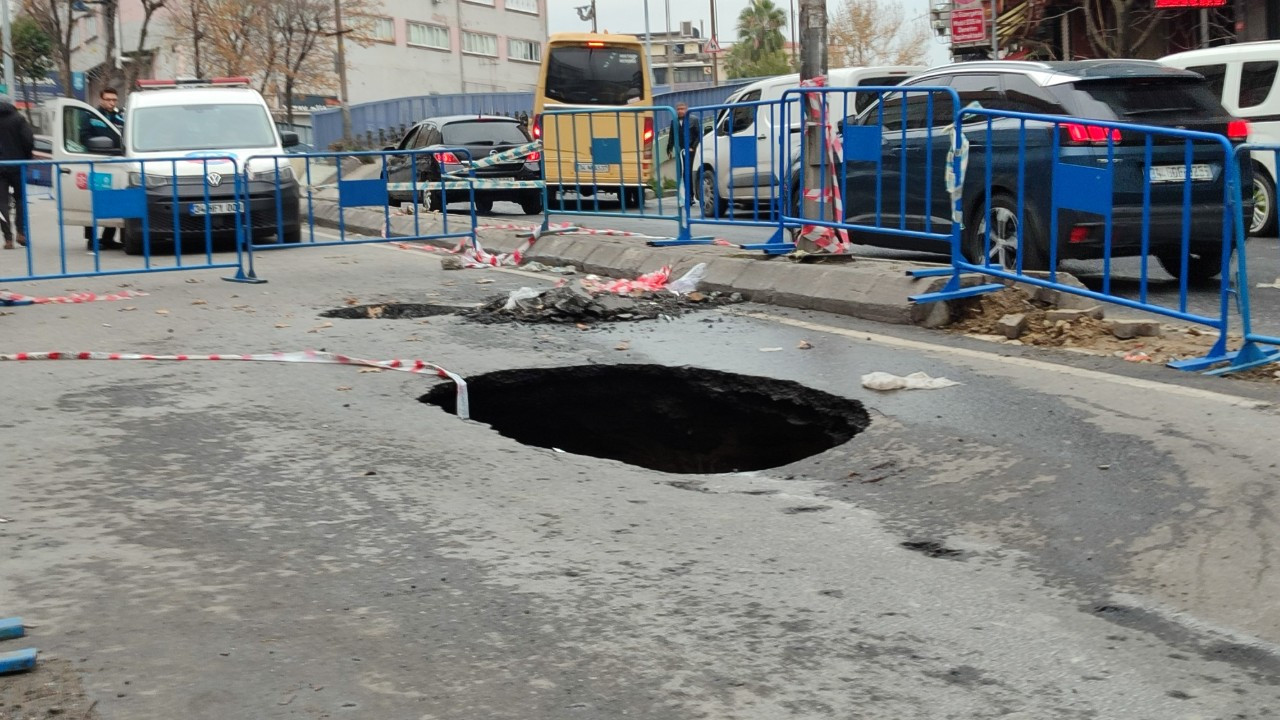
16	143
108	105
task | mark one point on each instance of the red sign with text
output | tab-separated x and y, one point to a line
1189	3
968	26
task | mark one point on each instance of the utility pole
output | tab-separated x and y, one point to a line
794	49
7	38
648	42
715	66
671	62
995	24
342	71
813	64
593	16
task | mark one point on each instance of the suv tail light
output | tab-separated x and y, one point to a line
533	157
537	127
1080	134
448	158
1238	130
648	130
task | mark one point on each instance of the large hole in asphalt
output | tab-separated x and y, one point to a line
677	420
391	311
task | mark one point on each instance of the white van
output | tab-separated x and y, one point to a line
1245	77
742	182
192	120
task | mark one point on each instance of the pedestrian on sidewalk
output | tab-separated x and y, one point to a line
17	142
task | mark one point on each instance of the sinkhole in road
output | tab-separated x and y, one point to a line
671	419
391	311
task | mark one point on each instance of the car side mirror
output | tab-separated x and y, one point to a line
389	147
289	139
101	145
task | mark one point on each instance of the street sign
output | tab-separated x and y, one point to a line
712	46
1189	3
969	26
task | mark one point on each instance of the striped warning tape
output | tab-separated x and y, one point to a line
10	298
475	256
305	356
462	183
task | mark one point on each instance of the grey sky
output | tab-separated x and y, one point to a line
627	16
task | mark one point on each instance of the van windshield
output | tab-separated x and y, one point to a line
168	128
595	76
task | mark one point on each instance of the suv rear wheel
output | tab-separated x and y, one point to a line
1003	251
1204	262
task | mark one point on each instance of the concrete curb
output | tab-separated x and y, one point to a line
870	289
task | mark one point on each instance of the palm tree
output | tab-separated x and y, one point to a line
760	27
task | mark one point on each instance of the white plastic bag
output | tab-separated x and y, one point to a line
914	381
518	297
689	282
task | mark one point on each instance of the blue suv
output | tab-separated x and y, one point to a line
1128	91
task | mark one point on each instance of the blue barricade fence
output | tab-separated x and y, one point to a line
282	213
173	212
1114	189
611	151
737	156
1259	348
869	182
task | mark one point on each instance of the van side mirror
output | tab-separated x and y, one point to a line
101	145
289	139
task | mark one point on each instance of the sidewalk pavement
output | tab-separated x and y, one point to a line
865	288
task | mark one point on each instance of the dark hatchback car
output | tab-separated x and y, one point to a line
1129	91
481	136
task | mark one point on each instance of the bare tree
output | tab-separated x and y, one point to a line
304	30
1119	28
875	32
56	19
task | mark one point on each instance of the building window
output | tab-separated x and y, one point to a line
529	6
480	44
481	2
525	50
382	29
432	36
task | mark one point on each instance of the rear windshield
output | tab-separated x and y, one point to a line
595	76
483	132
1145	100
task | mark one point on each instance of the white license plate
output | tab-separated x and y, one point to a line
1178	173
219	208
588	167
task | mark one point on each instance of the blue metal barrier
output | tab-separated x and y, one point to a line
286	212
1113	189
1259	348
609	150
736	156
179	206
861	153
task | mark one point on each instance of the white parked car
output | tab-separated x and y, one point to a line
1245	76
735	163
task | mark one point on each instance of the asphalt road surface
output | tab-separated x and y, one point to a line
1055	537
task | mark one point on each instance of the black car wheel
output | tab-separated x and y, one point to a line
1263	220
712	205
532	205
484	207
1204	262
1004	249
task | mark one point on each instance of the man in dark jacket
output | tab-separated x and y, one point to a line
109	107
16	143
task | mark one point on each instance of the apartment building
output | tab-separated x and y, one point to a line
410	47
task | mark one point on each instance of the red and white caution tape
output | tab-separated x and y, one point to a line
9	298
828	239
649	282
475	256
305	356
